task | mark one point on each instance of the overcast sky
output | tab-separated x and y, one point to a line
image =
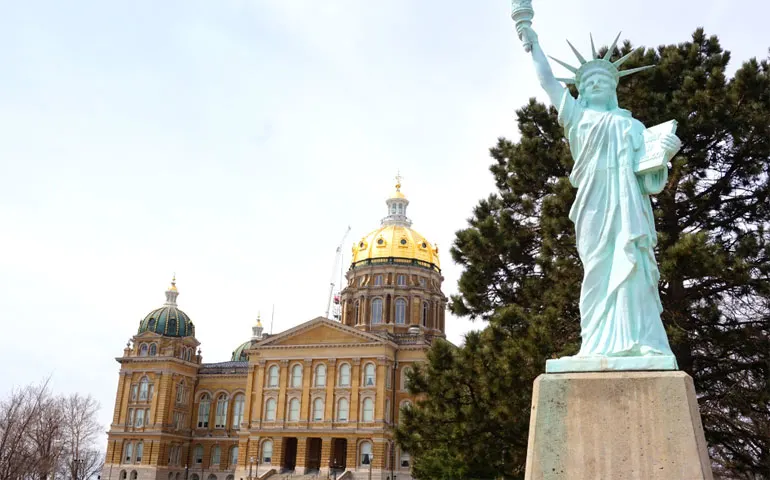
232	142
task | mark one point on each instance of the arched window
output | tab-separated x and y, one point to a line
293	410
343	407
369	379
153	349
296	376
267	451
134	475
270	409
366	453
376	311
195	476
143	350
367	412
198	454
123	475
204	411
320	375
344	375
216	454
212	477
238	403
144	388
151	324
233	457
424	314
400	311
170	475
358	312
128	452
318	410
139	452
221	416
272	376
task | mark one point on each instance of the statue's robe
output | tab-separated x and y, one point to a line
619	301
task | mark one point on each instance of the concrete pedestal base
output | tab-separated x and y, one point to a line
616	425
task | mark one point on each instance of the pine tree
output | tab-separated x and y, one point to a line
522	274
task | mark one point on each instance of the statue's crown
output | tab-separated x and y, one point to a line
604	65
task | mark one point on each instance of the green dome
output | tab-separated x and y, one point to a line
168	320
239	354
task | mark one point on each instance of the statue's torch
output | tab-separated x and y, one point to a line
522	14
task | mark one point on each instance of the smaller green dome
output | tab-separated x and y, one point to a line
239	354
168	320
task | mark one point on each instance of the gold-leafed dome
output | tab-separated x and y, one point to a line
395	241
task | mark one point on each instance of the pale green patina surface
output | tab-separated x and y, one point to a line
619	301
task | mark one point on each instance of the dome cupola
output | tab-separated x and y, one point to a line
168	320
239	354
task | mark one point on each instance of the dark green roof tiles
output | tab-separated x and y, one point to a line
168	320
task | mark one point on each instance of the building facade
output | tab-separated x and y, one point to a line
321	398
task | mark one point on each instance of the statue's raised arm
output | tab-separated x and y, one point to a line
545	75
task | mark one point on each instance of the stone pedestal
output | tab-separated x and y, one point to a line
616	425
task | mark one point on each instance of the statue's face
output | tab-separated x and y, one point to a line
597	89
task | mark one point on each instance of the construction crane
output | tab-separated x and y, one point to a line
337	260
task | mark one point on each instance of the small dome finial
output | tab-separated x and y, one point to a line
398	180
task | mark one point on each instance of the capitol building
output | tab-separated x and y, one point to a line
319	399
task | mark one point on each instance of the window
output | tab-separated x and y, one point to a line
233	456
422	282
180	392
216	453
272	376
130	417
369	375
198	455
267	451
400	311
139	452
358	311
387	410
204	409
143	350
320	375
179	420
134	475
123	475
221	415
147	416
296	376
318	410
404	459
144	388
367	414
401	280
388	375
134	392
366	453
344	375
377	280
171	326
342	410
293	410
270	409
128	452
376	311
139	418
405	405
151	324
404	377
153	350
238	403
424	314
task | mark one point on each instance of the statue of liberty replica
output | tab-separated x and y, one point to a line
618	409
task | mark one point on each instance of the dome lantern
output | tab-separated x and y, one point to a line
397	204
172	293
256	330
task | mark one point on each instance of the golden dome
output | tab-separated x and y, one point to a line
396	241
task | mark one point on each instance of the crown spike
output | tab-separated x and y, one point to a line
577	54
631	71
565	65
625	57
593	48
609	53
568	81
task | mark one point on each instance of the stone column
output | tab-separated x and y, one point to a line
255	395
280	414
331	381
379	401
302	451
351	462
355	381
120	396
307	378
168	388
326	450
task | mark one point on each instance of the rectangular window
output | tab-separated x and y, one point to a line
146	416
378	280
139	418
134	392
130	417
387	378
150	390
422	282
401	280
